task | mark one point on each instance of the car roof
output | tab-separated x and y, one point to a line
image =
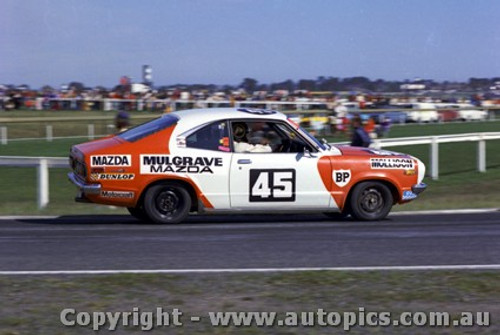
193	117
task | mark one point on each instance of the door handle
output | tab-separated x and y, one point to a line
244	161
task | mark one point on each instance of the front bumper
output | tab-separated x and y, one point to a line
418	188
84	188
415	191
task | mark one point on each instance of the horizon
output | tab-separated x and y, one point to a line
220	86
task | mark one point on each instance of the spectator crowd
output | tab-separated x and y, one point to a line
123	98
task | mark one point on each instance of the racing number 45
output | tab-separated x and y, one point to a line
272	185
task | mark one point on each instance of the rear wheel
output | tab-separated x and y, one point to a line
167	203
371	200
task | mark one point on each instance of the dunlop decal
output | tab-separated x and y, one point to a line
112	176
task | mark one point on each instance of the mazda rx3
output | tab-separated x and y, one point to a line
232	160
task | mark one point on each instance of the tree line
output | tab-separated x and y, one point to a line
334	84
321	84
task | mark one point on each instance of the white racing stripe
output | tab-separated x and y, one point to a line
260	270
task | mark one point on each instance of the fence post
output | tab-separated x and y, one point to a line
91	131
481	154
376	144
49	133
3	135
43	184
434	158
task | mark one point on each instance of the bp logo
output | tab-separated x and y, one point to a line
341	177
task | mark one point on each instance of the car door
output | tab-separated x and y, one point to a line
206	154
284	177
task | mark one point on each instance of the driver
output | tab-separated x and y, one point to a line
259	142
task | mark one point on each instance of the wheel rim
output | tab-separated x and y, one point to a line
372	200
167	202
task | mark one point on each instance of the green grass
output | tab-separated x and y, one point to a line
443	128
33	304
459	185
50	113
64	128
18	194
459	190
453	191
64	113
40	148
29	130
411	130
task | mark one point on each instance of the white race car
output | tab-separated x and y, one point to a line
238	160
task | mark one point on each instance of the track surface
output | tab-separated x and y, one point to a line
272	241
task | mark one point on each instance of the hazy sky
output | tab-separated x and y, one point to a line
223	41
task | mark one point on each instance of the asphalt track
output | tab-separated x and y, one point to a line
252	241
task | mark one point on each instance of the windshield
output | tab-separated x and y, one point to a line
148	128
314	139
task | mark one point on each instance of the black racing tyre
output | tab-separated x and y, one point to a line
138	212
167	203
337	215
370	201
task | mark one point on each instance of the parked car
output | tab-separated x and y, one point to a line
447	112
393	113
238	160
468	112
420	112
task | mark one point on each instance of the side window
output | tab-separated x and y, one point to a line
214	136
290	140
265	136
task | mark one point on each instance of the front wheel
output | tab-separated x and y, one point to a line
138	213
337	215
371	200
167	203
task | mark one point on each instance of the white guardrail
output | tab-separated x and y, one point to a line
44	163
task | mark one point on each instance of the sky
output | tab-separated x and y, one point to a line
221	42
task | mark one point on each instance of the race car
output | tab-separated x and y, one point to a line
238	160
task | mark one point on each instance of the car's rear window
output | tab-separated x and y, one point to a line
148	128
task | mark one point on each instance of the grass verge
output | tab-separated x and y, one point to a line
459	190
33	304
459	185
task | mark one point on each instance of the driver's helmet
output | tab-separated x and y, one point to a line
240	131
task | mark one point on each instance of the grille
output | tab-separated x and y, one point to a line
78	167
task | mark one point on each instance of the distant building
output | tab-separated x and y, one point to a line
147	75
416	85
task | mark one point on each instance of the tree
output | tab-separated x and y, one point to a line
249	85
77	87
47	89
306	84
479	83
330	84
288	85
